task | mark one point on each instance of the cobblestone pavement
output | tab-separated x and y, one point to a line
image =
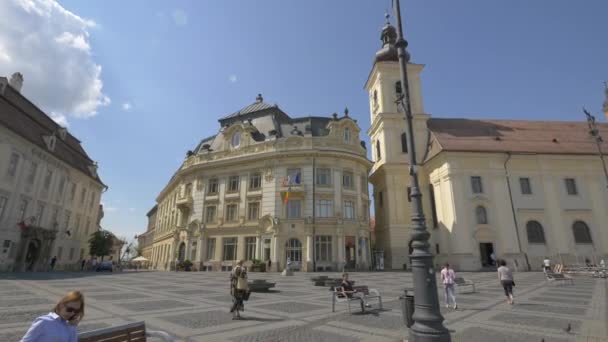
194	307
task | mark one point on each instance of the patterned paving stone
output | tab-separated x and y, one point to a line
12	336
375	319
291	307
560	300
537	321
23	302
20	316
84	326
475	334
294	334
154	305
118	296
564	310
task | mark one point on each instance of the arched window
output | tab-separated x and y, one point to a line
581	231
375	98
346	134
398	89
236	139
181	254
535	232
481	215
378	154
404	142
293	250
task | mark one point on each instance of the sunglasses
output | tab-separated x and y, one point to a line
71	310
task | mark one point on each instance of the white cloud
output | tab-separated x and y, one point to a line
232	78
50	46
179	17
126	106
131	209
110	209
60	119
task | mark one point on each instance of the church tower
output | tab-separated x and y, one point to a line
390	172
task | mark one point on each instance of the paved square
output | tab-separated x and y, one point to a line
194	307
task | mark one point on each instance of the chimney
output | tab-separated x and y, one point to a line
259	98
16	81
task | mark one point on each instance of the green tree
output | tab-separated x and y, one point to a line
139	251
100	243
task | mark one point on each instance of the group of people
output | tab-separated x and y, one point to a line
505	277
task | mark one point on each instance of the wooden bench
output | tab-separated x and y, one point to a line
260	285
463	283
368	294
338	297
559	277
130	332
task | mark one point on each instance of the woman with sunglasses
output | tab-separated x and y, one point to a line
60	324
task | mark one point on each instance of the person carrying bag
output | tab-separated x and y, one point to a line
239	289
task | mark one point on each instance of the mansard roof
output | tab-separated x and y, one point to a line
514	136
25	119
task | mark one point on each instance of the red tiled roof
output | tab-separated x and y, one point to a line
516	136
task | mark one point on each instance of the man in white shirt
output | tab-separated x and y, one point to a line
547	265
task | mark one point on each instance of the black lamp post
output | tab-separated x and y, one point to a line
428	322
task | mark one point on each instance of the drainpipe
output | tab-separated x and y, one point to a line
513	210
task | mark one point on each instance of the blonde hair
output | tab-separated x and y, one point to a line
72	296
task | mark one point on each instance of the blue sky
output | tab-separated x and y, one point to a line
170	69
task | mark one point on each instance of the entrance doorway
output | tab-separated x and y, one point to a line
266	249
349	252
486	250
181	254
31	257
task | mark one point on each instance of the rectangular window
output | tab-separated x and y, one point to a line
210	249
349	210
524	184
59	253
92	201
83	194
3	205
365	211
32	175
255	181
210	214
409	194
188	189
60	189
213	186
380	199
47	180
433	205
253	211
249	248
571	186
71	253
233	184
77	225
12	166
67	219
23	209
73	192
323	248
323	176
39	214
231	212
294	209
229	248
364	184
325	208
294	176
347	180
87	228
476	186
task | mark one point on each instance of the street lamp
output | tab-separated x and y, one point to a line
428	322
595	133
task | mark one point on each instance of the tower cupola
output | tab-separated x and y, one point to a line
388	52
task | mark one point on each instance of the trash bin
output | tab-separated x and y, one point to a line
407	308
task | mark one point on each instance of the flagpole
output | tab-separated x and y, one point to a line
314	181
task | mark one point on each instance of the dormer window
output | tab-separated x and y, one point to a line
236	139
50	141
62	131
347	135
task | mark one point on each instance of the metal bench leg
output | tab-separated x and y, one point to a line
380	301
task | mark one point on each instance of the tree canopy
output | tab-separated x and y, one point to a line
100	243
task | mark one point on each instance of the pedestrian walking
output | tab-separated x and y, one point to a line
82	263
60	324
238	289
448	278
53	262
547	265
493	259
505	276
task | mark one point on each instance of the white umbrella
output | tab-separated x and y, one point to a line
140	258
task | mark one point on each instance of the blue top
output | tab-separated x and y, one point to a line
51	328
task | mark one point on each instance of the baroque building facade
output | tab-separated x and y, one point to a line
517	190
49	188
145	241
268	187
